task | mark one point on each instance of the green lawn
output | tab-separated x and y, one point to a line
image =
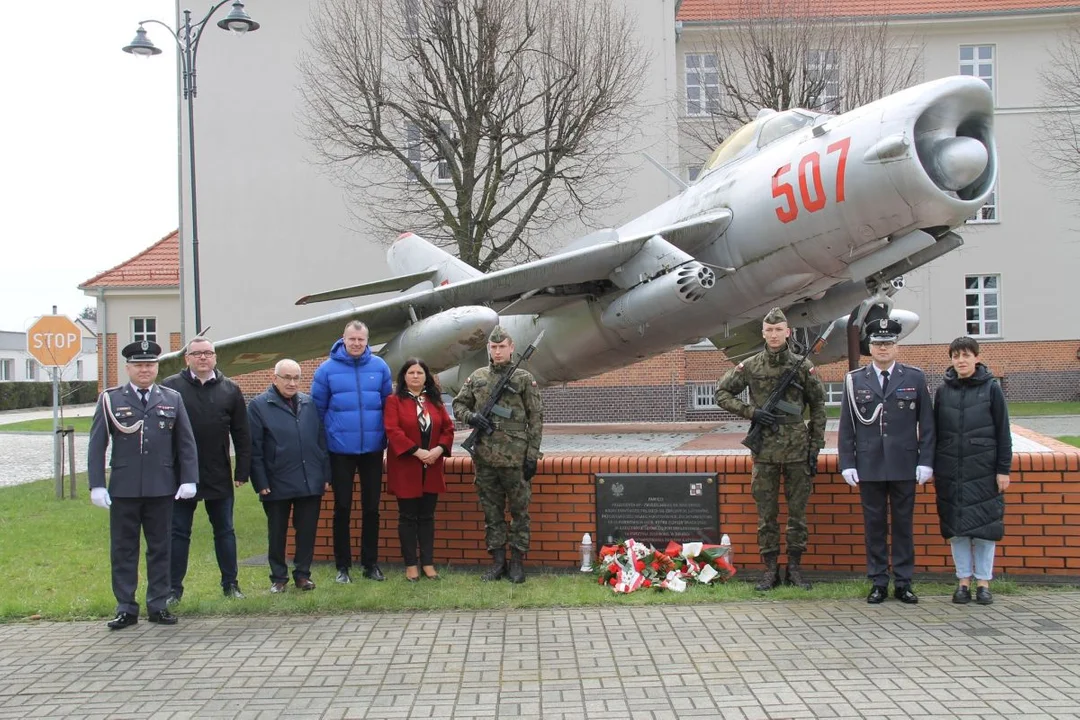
55	565
1073	440
1029	409
81	425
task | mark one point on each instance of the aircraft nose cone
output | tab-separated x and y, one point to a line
956	162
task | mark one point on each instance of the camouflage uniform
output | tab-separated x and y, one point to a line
500	457
787	449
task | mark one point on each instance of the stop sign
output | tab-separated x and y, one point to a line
53	340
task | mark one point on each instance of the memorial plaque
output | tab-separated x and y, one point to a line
657	508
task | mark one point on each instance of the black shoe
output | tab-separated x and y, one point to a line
304	583
904	595
372	572
122	620
983	596
877	595
172	601
343	577
232	590
962	596
164	617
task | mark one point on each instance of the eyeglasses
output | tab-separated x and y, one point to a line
202	354
289	378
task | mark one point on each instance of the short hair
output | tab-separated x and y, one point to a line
281	364
197	339
963	343
355	325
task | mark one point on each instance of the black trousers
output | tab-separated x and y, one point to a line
416	526
153	516
305	519
343	468
878	498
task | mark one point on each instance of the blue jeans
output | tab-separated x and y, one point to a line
220	512
973	556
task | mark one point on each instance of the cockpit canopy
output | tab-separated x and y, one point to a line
769	127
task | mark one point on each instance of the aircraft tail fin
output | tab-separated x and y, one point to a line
411	254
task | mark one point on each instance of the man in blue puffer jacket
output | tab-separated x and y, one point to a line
349	391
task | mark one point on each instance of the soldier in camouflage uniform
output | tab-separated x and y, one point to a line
505	459
790	446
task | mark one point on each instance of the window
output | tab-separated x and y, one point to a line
834	392
978	61
782	125
414	144
7	369
982	305
442	168
692	172
823	71
703	396
702	84
413	151
78	370
411	10
143	329
988	213
31	370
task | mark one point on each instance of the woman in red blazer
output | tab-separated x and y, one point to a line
420	434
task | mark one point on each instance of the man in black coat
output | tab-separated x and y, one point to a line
216	408
886	445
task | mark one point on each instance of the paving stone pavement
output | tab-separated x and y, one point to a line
1019	658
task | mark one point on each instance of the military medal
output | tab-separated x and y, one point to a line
161	424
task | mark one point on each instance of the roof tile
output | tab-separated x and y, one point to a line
156	266
719	10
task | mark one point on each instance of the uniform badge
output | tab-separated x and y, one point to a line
862	409
883	323
161	424
901	404
145	346
912	404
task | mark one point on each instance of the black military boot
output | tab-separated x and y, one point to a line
498	566
517	567
770	578
793	576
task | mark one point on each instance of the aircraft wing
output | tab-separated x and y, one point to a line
313	338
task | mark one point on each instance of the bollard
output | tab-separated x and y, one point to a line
70	432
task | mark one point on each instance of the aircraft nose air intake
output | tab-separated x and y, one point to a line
956	162
954	138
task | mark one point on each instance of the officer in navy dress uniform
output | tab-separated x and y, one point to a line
886	445
154	461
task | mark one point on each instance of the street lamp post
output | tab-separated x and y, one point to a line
187	42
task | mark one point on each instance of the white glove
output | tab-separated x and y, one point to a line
923	473
851	476
100	497
186	492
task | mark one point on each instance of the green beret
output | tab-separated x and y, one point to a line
498	334
775	317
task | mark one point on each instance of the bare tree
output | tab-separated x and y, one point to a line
1059	123
89	312
783	54
478	123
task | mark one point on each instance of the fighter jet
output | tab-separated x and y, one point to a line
818	214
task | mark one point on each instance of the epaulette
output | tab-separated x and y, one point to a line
115	387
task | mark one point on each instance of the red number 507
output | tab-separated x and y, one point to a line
811	191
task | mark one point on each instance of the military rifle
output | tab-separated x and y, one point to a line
491	406
756	436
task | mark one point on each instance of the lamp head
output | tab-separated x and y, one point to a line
142	46
238	21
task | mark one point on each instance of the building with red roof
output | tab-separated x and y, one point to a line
139	299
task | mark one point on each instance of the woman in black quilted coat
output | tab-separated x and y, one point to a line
971	467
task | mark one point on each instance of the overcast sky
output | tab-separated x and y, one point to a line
88	148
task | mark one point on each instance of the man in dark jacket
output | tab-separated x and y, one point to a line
216	408
886	445
349	390
289	470
971	467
